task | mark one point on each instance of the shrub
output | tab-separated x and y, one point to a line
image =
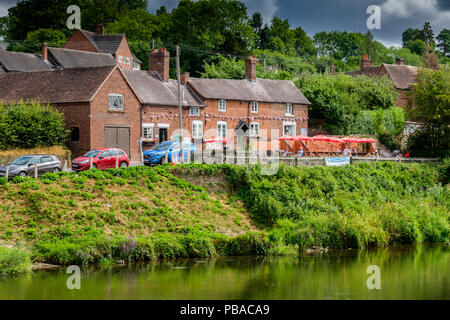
14	261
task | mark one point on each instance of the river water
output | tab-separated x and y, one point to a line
406	272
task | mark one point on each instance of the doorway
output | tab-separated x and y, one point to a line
163	134
117	137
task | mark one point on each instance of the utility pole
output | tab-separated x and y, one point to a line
153	44
180	108
265	65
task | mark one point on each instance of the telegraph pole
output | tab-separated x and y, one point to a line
180	108
265	65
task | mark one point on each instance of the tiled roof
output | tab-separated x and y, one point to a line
367	71
67	58
403	76
21	62
105	43
153	91
59	86
262	90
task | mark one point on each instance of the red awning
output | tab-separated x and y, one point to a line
350	140
217	140
321	138
337	140
303	138
367	140
291	138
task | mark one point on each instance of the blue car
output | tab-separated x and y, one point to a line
163	153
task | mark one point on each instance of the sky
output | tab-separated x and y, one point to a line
343	15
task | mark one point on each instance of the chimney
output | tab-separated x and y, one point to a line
400	61
100	29
158	62
184	77
366	62
45	51
332	69
250	68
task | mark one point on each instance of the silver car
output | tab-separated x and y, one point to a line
24	166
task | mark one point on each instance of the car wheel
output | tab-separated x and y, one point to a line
124	165
22	174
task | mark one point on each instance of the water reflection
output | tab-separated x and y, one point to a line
407	272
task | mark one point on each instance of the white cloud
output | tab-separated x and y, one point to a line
267	8
407	9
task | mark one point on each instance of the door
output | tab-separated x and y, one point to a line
118	137
47	165
162	135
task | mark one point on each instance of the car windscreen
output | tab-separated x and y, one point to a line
22	161
92	154
163	147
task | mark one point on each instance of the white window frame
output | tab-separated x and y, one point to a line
254	107
196	113
289	110
291	124
120	59
219	124
222	105
135	66
199	134
112	104
148	126
128	60
252	131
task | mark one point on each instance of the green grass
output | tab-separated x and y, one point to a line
140	214
14	261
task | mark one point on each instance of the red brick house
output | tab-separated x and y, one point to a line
214	108
403	76
114	44
99	105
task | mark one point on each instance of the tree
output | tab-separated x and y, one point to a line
416	46
444	41
427	35
431	96
224	69
303	45
35	39
430	59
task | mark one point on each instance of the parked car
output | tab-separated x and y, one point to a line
166	151
102	159
24	166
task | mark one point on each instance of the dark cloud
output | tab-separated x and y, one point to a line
344	15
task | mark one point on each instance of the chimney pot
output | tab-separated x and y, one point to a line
162	50
45	51
400	61
250	68
158	62
366	62
100	29
184	77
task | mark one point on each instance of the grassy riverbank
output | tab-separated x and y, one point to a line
139	214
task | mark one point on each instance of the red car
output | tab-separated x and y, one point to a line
102	158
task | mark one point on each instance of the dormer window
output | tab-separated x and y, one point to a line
254	107
116	101
194	111
222	105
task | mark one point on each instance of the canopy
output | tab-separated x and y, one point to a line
350	140
366	140
217	140
303	138
291	138
321	138
337	140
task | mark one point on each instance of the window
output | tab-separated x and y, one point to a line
116	101
289	110
221	129
46	159
222	105
289	128
75	134
254	129
120	59
194	111
128	60
147	131
254	107
135	66
35	160
197	129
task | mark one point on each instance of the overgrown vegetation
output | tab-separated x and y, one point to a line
29	125
140	214
14	261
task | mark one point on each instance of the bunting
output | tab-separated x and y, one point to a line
210	116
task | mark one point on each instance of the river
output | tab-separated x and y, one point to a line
406	272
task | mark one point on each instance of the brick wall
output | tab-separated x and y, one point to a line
79	42
77	115
130	117
125	52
